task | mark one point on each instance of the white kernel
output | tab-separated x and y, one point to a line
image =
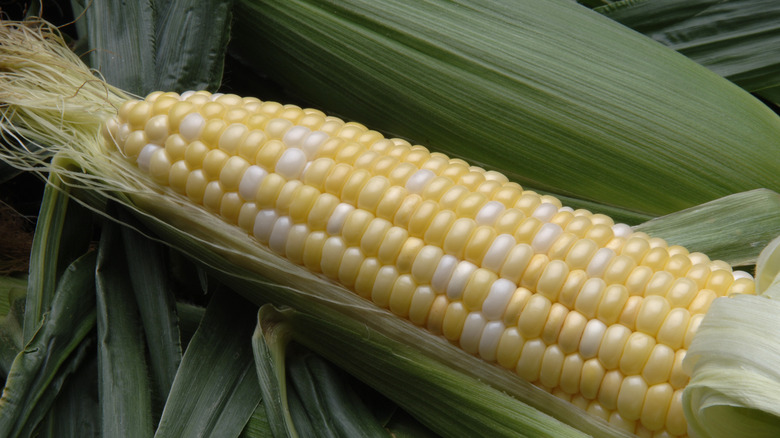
565	208
416	183
337	218
489	213
488	343
191	126
295	137
498	298
591	338
472	332
264	224
145	157
250	182
311	145
545	211
621	230
216	96
185	95
443	273
291	164
599	262
737	274
279	233
459	279
545	237
499	249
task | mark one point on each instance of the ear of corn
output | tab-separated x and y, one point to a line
550	93
587	309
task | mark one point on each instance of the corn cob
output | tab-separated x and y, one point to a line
572	302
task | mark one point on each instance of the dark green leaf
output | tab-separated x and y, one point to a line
125	395
738	39
156	302
215	390
48	355
191	42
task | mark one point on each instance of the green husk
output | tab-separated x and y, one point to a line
556	96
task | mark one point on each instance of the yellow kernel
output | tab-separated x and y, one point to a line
600	233
371	193
350	266
436	188
160	167
590	380
579	226
247	215
391	202
742	286
554	323
631	397
659	365
458	235
571	287
391	245
332	253
477	288
401	173
213	163
534	270
656	258
249	146
366	277
354	226
139	114
678	264
269	154
580	254
530	362
508	221
472	180
571	373
612	345
156	129
435	321
552	366
269	190
422	301
439	227
516	305
562	245
470	205
405	259
510	345
296	242
679	378
401	295
452	197
652	314
597	410
230	206
637	280
454	318
619	269
675	422
610	389
276	128
516	262
630	311
196	186
659	283
481	239
321	210
589	297
719	282
212	131
420	220
178	176
552	278
425	263
404	213
636	352
571	332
